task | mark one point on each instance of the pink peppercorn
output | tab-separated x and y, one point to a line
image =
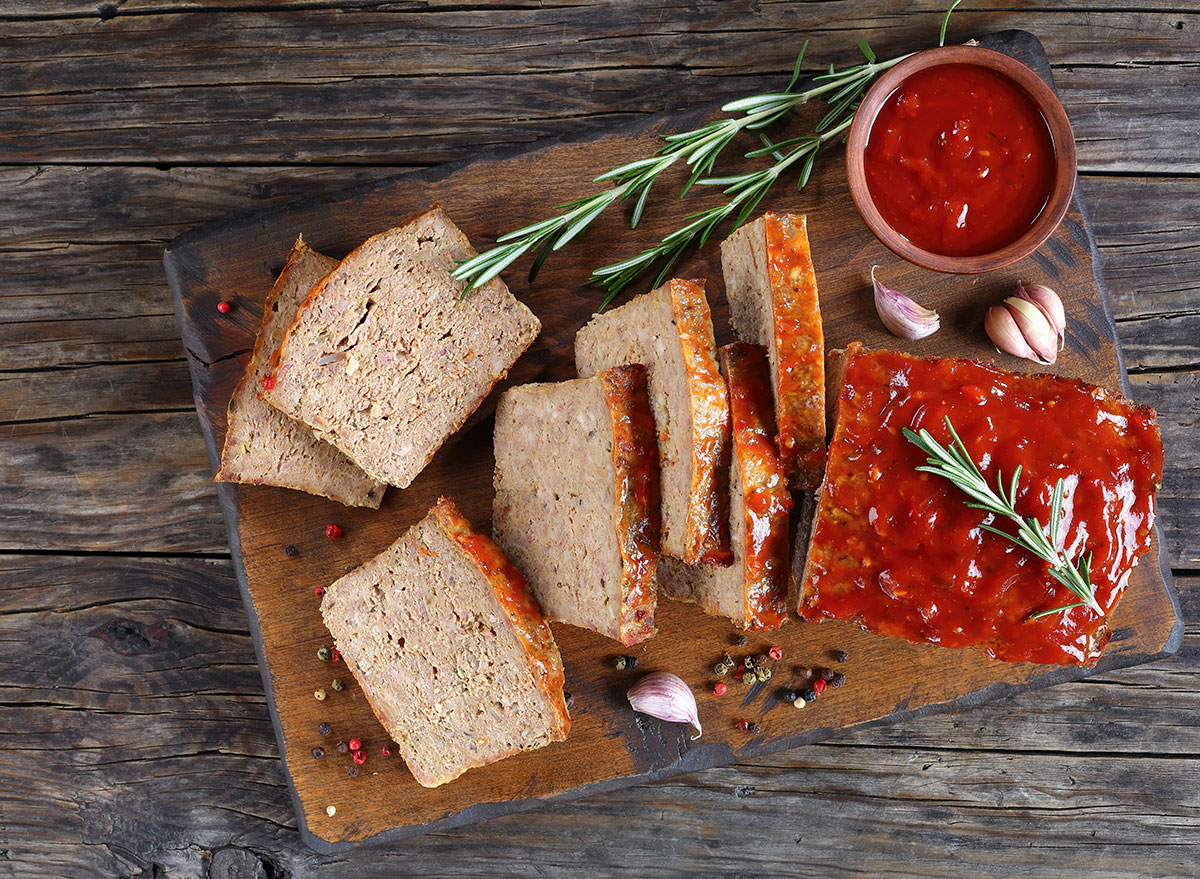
334	654
720	688
818	686
355	745
333	532
775	653
743	724
223	307
360	757
319	592
386	750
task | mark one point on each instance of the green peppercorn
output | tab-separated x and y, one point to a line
721	669
323	654
764	673
619	663
748	662
319	695
337	685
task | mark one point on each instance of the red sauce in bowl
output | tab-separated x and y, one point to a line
959	160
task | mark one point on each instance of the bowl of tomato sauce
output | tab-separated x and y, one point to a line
961	159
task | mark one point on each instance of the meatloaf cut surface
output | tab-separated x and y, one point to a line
772	292
577	498
265	447
753	590
899	551
669	330
450	649
385	361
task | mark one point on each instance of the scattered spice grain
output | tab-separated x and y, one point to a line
818	686
775	653
337	685
290	551
837	680
323	654
323	728
808	695
333	532
720	688
319	695
223	307
840	655
318	752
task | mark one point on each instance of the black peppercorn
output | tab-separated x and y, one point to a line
318	753
840	655
631	662
352	770
755	729
788	695
343	748
827	674
741	641
809	695
290	551
837	680
323	728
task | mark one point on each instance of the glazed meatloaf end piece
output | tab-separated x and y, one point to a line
901	552
670	331
577	498
450	649
384	359
753	590
265	447
772	290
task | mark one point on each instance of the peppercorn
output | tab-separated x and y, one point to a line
720	688
827	674
386	750
840	655
743	724
355	744
334	655
631	662
318	753
619	663
343	748
223	307
360	757
323	654
290	551
760	660
837	680
808	695
319	695
331	811
775	653
337	685
352	771
721	669
748	662
741	670
323	728
333	532
819	686
741	641
800	703
764	673
754	729
788	695
319	592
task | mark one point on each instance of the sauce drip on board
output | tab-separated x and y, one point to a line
900	552
959	160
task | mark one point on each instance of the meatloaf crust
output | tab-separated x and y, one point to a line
264	446
449	648
772	291
388	355
577	498
753	591
669	330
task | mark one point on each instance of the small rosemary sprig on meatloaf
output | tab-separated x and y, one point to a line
955	464
699	150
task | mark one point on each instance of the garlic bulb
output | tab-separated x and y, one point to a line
901	315
1031	324
666	697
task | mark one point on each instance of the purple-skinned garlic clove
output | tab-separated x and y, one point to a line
901	315
1049	303
1035	327
666	697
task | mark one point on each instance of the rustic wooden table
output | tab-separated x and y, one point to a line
134	735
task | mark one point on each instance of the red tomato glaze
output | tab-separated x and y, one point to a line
900	552
959	160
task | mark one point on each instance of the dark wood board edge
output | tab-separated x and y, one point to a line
1021	44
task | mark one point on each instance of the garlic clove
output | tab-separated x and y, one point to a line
1050	305
666	697
1035	327
1001	327
901	315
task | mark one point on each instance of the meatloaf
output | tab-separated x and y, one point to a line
577	498
265	447
670	331
450	649
753	590
772	292
388	356
901	552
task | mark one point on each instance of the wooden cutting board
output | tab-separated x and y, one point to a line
886	679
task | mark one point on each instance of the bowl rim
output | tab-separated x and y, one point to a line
1043	97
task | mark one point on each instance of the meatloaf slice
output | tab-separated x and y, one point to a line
753	590
670	331
384	359
265	447
772	292
577	498
450	649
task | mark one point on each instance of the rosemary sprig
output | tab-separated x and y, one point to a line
955	463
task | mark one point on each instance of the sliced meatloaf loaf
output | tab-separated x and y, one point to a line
450	649
384	359
670	331
772	291
753	590
265	447
902	552
577	498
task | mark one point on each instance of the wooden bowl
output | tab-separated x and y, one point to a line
1043	98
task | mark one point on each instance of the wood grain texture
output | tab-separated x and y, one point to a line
222	810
